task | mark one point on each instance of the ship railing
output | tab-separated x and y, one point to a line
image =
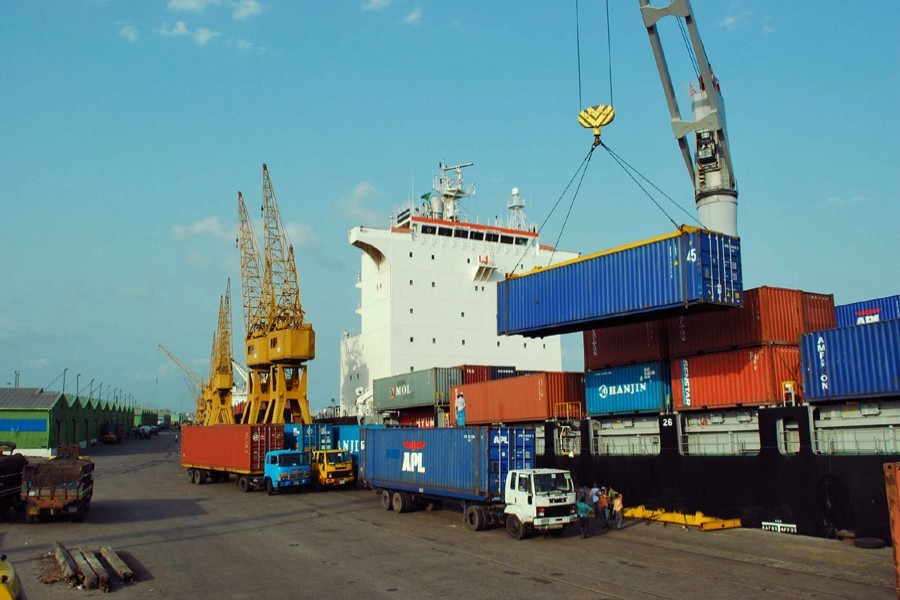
718	445
858	440
631	445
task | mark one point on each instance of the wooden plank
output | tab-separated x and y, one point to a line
116	563
66	564
102	575
88	577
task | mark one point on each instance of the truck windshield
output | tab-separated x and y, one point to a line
294	459
552	482
338	457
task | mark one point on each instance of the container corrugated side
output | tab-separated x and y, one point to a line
523	399
503	372
347	437
867	311
466	463
474	373
239	448
422	416
641	388
626	344
892	488
429	387
852	362
652	279
746	377
818	312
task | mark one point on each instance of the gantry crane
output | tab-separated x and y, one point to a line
279	341
217	393
200	415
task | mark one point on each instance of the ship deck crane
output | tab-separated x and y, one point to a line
217	394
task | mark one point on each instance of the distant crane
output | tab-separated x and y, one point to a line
279	341
201	402
217	393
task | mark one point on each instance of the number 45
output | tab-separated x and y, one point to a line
692	255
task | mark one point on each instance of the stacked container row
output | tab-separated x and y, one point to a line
640	388
529	398
868	311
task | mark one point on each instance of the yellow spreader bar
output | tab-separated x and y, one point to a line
698	519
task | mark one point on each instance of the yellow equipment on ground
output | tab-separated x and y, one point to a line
698	519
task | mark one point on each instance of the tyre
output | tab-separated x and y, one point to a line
78	517
433	505
869	543
514	527
386	503
244	484
191	476
29	518
400	502
270	487
475	518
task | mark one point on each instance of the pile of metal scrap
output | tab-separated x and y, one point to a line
80	566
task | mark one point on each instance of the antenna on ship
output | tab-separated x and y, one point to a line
452	190
516	207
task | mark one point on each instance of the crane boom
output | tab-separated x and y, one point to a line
710	168
201	402
217	394
285	310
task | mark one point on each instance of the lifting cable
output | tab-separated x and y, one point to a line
578	50
687	45
629	169
609	56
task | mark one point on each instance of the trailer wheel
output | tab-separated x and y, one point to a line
433	505
386	503
475	518
243	484
514	527
270	487
400	502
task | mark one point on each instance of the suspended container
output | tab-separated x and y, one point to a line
769	315
867	311
525	399
641	388
626	344
691	269
765	375
430	387
852	362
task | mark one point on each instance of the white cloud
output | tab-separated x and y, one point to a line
413	17
213	226
127	31
37	362
247	8
358	206
179	29
853	200
735	20
191	5
301	235
243	44
201	36
768	29
377	4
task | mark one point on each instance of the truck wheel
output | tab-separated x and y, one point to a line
386	503
78	517
514	527
243	484
29	519
400	502
270	487
475	518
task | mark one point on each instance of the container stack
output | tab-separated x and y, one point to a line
868	311
526	399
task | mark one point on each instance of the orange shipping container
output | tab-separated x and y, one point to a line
892	483
751	376
770	315
625	345
535	397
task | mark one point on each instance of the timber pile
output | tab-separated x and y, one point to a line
81	566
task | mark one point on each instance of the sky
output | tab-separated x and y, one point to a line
129	127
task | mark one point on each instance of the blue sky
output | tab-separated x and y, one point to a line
129	127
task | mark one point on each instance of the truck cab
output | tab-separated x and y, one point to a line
285	469
112	433
538	500
332	468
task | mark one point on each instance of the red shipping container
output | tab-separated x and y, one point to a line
770	315
892	483
235	448
625	345
751	376
474	373
535	397
422	416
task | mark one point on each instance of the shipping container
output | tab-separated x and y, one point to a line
750	376
690	269
769	315
416	417
315	436
429	387
867	311
474	373
641	388
347	437
465	463
522	399
626	344
235	448
502	373
892	487
852	362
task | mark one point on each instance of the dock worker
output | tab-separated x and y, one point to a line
460	410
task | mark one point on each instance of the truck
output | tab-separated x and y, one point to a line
332	468
489	471
112	433
11	467
253	453
63	485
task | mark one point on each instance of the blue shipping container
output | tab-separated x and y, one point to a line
868	311
851	362
644	387
656	278
464	463
347	437
314	437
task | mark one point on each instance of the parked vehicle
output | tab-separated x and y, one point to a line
112	433
11	466
332	468
10	583
254	454
62	486
488	470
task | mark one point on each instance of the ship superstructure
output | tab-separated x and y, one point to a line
428	291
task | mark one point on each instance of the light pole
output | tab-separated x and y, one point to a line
77	383
92	388
64	380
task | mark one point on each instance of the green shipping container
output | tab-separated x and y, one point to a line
430	387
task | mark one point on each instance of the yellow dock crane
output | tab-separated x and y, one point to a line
217	393
279	340
200	387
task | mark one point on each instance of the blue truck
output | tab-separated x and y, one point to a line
489	471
